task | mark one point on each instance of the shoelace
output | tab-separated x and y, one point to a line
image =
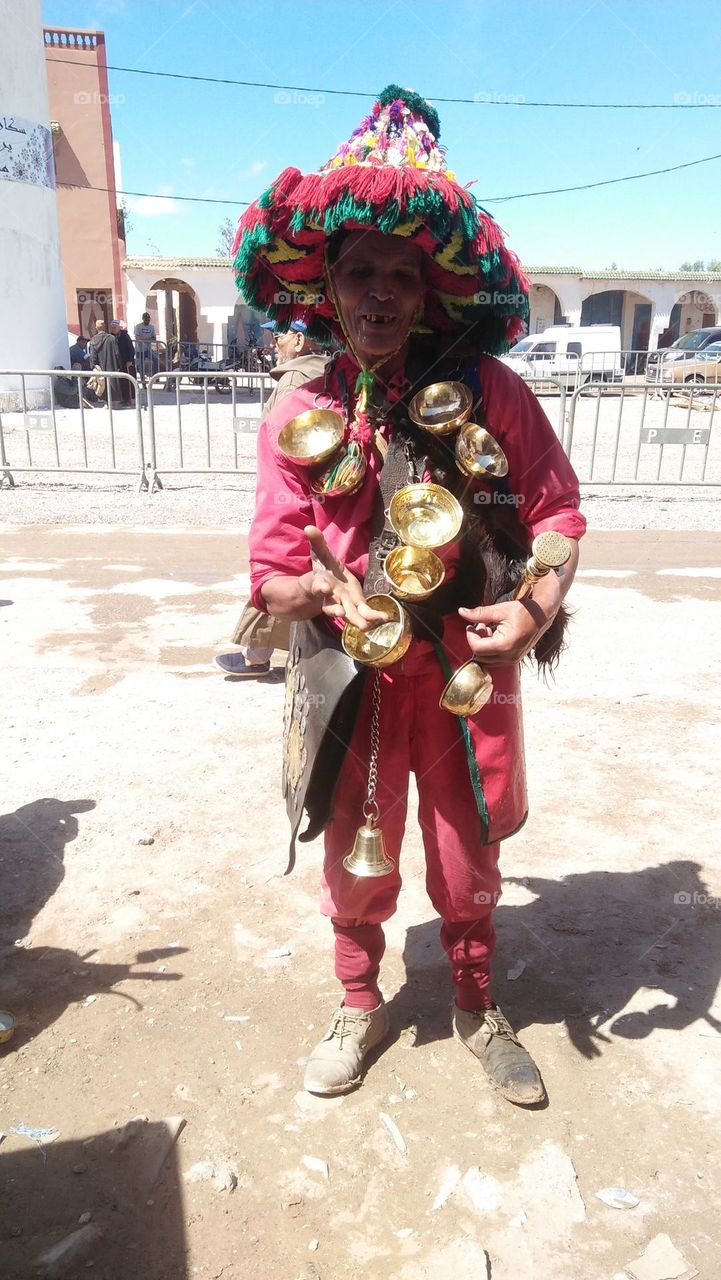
342	1025
499	1025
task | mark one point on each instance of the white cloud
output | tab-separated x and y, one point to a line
187	162
154	206
257	167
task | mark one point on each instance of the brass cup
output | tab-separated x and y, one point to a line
425	515
413	573
312	437
384	642
468	689
442	407
478	454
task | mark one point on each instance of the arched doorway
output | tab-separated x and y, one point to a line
629	311
546	309
692	310
173	307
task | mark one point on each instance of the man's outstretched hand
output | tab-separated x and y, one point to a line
340	593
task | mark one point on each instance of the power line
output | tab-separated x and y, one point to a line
480	99
158	195
521	195
607	182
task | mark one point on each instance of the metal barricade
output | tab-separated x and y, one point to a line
89	440
181	440
195	356
547	387
633	434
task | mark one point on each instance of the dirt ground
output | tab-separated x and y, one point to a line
188	978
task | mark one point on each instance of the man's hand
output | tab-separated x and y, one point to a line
502	634
340	593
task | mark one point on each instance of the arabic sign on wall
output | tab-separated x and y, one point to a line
26	152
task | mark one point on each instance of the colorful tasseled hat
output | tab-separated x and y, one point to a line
391	176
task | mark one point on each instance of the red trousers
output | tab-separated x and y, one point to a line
462	877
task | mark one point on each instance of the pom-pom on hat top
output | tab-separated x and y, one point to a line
390	176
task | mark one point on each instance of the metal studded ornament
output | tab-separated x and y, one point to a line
295	720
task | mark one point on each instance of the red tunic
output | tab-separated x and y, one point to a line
539	474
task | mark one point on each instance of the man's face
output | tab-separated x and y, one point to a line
289	345
380	286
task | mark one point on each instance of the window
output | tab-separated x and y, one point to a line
542	351
574	349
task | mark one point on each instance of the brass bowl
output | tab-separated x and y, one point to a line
478	454
442	407
413	573
384	642
551	549
312	437
425	515
468	689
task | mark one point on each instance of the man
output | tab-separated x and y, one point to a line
145	349
299	360
104	356
78	354
126	355
431	297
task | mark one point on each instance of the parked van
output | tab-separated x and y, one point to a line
574	356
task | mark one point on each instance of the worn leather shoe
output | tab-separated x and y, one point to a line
509	1067
335	1064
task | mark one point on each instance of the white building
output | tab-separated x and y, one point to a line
33	334
196	299
643	304
193	299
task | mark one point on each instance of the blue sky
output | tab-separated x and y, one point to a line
178	138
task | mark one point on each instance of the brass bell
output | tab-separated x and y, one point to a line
369	856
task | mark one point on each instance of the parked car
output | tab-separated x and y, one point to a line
658	368
703	366
571	355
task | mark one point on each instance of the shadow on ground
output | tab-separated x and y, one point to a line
590	942
127	1181
38	983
